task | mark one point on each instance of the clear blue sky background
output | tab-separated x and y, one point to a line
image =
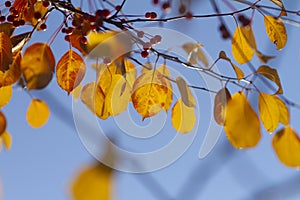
43	161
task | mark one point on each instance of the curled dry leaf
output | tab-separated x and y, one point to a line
280	4
286	144
272	75
6	94
242	126
37	65
183	117
2	123
276	31
70	71
37	113
6	56
221	99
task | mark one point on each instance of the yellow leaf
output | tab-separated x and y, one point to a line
272	75
6	56
76	92
183	117
242	126
130	72
150	94
221	99
284	117
239	73
93	183
70	71
7	140
186	94
242	51
37	113
269	111
286	144
163	69
37	65
2	123
93	97
5	93
276	31
249	36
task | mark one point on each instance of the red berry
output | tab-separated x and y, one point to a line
144	54
37	15
2	18
107	61
93	27
148	15
99	13
83	40
189	15
16	23
67	38
118	8
7	3
155	2
106	12
153	15
140	34
147	46
46	3
158	38
63	30
22	22
43	26
153	40
166	6
69	30
10	18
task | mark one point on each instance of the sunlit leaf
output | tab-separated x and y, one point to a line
2	123
286	144
37	65
75	41
183	117
5	94
242	126
221	99
70	71
284	117
276	31
13	74
150	93
76	92
93	183
249	36
269	111
7	140
37	113
272	75
163	69
280	4
6	56
186	95
242	51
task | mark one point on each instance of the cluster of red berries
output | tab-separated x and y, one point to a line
151	15
147	45
166	6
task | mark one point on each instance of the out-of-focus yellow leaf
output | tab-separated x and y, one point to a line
269	111
272	75
6	56
286	144
242	126
76	92
221	99
37	113
2	123
37	65
130	72
93	97
93	183
183	117
150	94
249	36
70	70
5	95
284	117
280	4
7	140
276	31
242	51
186	94
263	58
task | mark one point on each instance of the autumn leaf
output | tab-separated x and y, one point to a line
6	139
269	111
284	116
272	75
6	56
6	94
37	65
242	51
37	7
70	71
183	117
93	182
150	94
286	144
13	74
280	4
195	53
242	126
75	41
276	31
186	95
7	28
221	99
2	123
76	92
163	69
239	73
37	113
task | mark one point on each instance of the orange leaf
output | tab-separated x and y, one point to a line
221	99
5	93
183	117
37	65
6	56
2	123
13	74
272	75
37	113
276	31
286	144
242	126
70	71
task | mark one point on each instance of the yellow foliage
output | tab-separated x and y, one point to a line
242	126
6	94
272	75
2	123
76	92
183	117
37	113
286	144
276	31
